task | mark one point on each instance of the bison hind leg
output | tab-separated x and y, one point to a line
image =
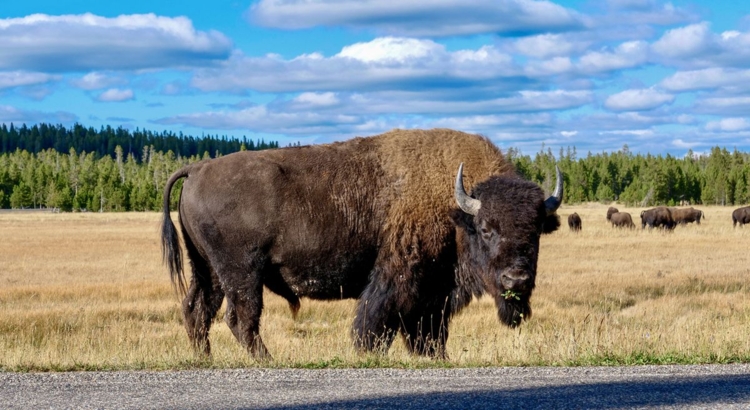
243	285
202	301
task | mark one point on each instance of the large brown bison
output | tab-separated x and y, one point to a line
659	217
684	216
621	220
574	222
370	218
741	216
611	210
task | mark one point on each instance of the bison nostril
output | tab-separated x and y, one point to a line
515	280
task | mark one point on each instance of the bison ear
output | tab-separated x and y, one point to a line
463	220
551	223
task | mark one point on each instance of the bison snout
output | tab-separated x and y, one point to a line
516	280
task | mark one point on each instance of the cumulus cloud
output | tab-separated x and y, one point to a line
626	55
383	63
420	18
548	45
88	42
637	100
10	79
688	41
97	81
728	124
334	113
115	95
680	143
696	46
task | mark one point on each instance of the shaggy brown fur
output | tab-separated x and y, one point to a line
611	210
659	217
621	220
684	216
370	218
574	222
741	216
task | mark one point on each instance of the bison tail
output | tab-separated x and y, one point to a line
170	242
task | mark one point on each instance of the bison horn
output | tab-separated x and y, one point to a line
465	202
554	201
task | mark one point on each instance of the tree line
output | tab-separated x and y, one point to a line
84	169
719	177
41	137
78	179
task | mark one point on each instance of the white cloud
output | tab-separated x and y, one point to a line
557	65
680	143
22	78
626	55
419	18
383	63
637	133
115	95
688	41
547	45
317	99
728	124
696	46
88	42
96	81
637	100
568	134
390	49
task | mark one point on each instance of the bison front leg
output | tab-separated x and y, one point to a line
376	322
425	331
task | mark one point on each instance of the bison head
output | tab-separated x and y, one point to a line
503	219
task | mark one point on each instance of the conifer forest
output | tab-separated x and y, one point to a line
115	169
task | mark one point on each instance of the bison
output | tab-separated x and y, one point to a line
741	216
659	217
684	216
371	218
574	222
621	220
611	210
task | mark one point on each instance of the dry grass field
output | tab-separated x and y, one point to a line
88	291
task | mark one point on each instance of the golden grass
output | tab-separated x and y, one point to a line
88	291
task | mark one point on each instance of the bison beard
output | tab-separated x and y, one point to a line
370	218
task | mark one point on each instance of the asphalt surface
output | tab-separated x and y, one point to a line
713	386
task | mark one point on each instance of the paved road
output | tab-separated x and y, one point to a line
716	386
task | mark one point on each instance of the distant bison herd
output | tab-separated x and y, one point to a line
619	219
574	222
661	217
741	216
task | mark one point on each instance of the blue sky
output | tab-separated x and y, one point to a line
661	77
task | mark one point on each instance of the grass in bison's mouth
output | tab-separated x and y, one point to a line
89	292
511	295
